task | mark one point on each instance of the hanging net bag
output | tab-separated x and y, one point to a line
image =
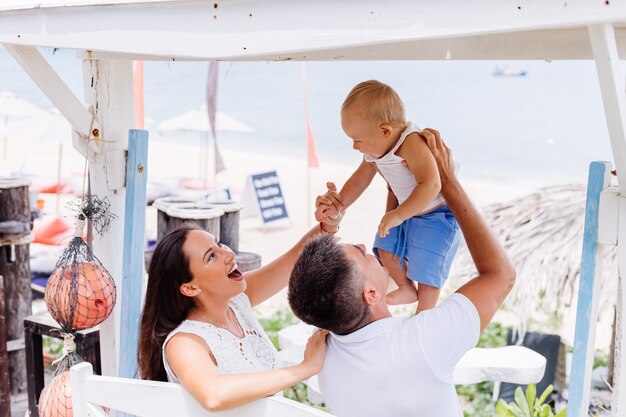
56	397
80	294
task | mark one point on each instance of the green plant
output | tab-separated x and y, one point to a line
528	405
601	358
52	345
494	335
276	322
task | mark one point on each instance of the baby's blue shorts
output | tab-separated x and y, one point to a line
427	243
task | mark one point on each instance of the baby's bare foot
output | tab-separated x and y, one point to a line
405	294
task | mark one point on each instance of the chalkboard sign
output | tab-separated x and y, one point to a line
269	201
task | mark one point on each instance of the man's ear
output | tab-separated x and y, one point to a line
371	295
189	290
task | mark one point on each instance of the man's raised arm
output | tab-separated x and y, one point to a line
496	274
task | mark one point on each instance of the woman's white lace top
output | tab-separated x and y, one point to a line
252	353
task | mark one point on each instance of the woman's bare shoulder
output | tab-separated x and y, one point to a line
183	342
187	349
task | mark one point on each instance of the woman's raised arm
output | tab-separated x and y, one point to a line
273	277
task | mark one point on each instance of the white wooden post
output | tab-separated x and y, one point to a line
109	89
611	78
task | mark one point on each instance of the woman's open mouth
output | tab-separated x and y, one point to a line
235	273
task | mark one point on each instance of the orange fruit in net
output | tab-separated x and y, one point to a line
80	295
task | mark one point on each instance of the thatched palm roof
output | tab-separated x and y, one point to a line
543	234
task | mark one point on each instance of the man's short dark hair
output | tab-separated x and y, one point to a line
325	288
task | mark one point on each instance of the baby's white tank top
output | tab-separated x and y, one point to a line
398	175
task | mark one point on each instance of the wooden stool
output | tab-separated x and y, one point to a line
163	219
229	223
247	261
87	346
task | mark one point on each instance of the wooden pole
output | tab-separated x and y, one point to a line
15	268
108	88
588	295
5	384
134	243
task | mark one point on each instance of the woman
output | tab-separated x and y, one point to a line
198	327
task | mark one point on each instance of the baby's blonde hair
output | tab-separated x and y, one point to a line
376	101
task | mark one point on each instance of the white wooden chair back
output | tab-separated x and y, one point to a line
162	399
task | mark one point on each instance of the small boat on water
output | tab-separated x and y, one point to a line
509	72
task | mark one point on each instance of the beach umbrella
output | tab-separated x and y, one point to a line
14	108
44	126
198	121
543	235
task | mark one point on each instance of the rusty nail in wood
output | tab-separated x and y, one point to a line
140	168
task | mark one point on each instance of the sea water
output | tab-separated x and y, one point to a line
543	128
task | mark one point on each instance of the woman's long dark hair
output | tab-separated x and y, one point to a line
165	307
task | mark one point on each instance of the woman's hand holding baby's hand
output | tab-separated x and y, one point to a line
324	212
329	206
389	220
315	351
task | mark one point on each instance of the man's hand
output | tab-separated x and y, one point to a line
442	154
389	220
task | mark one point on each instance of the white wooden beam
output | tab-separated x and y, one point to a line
109	89
86	129
318	30
618	402
611	80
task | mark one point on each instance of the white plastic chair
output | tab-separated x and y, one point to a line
162	399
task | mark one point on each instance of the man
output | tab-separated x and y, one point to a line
379	365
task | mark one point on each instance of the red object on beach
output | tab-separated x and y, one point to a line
57	188
80	295
50	187
311	149
56	397
52	231
139	102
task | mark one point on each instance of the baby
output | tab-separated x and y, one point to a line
418	228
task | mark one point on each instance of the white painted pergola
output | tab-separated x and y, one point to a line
108	34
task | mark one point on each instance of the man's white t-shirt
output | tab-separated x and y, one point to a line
399	366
